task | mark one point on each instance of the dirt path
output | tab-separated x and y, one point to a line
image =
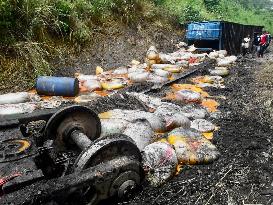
244	173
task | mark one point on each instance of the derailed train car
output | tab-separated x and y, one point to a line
220	35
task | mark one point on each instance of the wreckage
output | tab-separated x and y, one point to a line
54	151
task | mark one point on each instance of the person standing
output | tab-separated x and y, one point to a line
268	40
262	45
245	45
256	45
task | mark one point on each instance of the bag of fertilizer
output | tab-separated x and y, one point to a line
159	162
141	132
191	147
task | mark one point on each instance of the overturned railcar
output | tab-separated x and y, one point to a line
220	35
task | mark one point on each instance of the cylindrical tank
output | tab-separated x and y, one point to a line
57	86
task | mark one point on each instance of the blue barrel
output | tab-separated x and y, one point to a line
57	86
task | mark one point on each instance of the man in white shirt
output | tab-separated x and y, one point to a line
245	45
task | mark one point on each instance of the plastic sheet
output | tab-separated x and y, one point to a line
141	132
191	147
162	73
13	98
12	109
159	162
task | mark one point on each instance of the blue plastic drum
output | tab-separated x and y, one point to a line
57	86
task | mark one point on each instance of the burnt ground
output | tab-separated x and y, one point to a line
244	172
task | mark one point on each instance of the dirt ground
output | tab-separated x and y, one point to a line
244	172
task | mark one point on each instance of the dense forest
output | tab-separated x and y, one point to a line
35	31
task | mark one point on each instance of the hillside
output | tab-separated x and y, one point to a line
45	37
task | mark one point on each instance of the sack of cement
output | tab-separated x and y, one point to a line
82	77
113	85
222	52
182	63
178	120
157	123
188	96
141	132
151	102
162	73
219	72
157	79
90	85
120	71
152	53
14	98
138	77
167	110
12	109
163	66
113	126
213	55
193	111
202	125
191	147
159	163
135	69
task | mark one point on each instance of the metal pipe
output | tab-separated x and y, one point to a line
80	139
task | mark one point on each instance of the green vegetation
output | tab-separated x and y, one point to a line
33	32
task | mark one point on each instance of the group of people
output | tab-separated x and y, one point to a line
260	44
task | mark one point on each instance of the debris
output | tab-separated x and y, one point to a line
141	132
53	102
191	147
159	162
202	125
86	98
13	98
57	86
